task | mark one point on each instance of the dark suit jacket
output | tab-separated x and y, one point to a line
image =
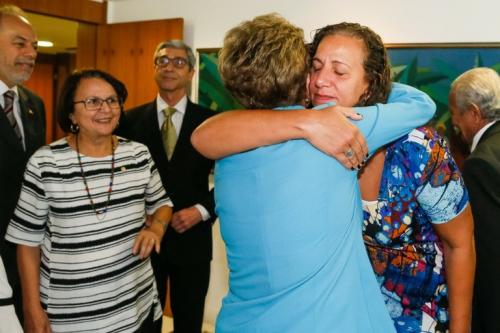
482	177
13	159
185	177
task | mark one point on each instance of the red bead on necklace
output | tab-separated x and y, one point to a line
100	213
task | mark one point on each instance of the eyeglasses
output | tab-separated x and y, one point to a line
95	103
163	62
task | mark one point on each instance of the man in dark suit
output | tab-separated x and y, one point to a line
475	107
186	249
22	124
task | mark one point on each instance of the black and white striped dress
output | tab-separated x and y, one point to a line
89	279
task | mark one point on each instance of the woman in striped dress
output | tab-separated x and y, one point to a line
80	223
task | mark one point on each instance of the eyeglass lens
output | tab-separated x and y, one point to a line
163	61
93	103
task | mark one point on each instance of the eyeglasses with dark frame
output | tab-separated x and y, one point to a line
94	103
178	62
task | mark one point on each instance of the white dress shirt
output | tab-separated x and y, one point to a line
479	134
177	119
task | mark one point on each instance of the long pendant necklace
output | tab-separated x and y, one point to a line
101	213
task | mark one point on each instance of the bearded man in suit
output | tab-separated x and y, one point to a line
22	128
165	126
475	108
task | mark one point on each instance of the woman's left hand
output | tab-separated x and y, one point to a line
145	242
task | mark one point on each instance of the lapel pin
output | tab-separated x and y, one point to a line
30	112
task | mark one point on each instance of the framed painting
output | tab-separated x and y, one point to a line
211	91
432	68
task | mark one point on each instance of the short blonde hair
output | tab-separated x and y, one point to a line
264	62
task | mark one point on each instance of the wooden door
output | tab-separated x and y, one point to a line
126	51
151	34
87	42
41	82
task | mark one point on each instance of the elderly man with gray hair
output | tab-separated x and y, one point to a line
475	107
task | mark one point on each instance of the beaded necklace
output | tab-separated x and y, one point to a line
101	213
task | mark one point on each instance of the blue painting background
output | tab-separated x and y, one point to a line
434	69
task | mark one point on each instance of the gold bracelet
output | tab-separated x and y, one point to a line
163	224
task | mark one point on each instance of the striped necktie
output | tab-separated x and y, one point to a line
168	132
9	112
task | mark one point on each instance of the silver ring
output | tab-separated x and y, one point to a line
349	153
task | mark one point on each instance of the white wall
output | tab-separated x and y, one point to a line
397	21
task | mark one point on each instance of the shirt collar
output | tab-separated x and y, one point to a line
180	106
479	134
4	88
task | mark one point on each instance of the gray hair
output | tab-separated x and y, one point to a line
481	87
177	44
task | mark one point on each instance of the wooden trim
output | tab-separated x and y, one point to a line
441	45
77	10
208	50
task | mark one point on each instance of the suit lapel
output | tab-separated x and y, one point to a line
186	129
153	136
27	117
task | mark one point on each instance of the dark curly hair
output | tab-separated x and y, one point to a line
376	64
66	106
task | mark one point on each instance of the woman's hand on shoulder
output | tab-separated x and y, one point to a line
330	131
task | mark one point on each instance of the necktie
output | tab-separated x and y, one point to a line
168	132
9	112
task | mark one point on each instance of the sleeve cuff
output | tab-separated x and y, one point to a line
205	215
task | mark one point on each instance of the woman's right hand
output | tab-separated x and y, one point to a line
36	320
330	131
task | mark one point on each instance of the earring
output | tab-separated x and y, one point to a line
74	128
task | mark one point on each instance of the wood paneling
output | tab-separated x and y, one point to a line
46	81
86	41
126	51
41	82
78	10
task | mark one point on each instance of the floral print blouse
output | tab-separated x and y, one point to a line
421	185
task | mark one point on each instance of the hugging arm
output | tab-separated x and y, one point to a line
237	131
329	130
406	109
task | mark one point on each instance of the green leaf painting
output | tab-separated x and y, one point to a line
211	91
433	70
